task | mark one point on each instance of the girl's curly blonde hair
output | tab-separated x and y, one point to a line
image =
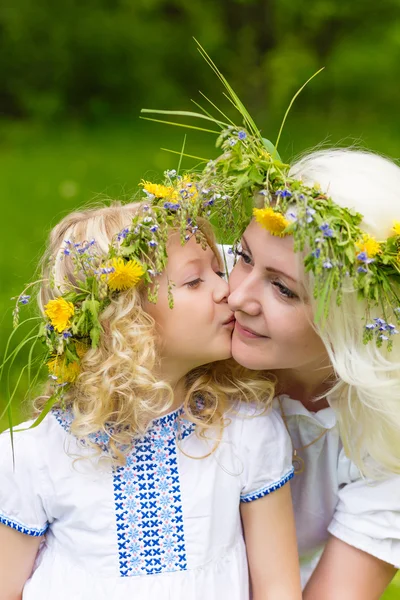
117	391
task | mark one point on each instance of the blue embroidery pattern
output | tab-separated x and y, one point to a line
148	502
65	418
32	531
147	496
268	489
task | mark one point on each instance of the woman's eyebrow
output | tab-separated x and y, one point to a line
270	269
246	244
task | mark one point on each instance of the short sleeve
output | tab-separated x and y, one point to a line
21	496
267	453
367	517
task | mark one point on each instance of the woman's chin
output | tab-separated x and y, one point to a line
247	357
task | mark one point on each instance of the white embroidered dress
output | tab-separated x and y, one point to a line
164	526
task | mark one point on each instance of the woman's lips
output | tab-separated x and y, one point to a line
246	332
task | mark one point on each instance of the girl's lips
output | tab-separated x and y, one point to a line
249	333
230	322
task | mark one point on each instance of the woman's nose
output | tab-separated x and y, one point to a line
242	295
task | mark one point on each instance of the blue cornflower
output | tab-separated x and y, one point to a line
24	299
171	173
154	228
153	243
370	326
327	264
383	338
187	238
172	205
283	193
231	251
310	212
380	321
317	253
362	270
326	230
66	334
242	135
122	234
66	251
146	207
49	327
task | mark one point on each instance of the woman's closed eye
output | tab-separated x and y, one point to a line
283	290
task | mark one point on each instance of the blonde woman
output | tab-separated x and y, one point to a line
134	483
337	363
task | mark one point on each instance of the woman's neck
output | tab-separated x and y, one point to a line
309	388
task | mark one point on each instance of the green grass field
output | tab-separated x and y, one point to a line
46	173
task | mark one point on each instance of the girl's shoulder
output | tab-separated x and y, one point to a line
264	448
254	419
33	440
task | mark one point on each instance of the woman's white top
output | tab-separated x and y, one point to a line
331	496
164	526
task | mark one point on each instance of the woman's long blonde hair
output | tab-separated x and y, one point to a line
117	391
367	395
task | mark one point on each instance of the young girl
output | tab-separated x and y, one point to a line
130	482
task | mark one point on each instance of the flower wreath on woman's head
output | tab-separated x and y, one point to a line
249	180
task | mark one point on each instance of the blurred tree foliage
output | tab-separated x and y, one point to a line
101	58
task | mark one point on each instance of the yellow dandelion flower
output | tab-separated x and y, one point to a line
125	275
369	245
157	190
396	227
59	312
65	373
271	220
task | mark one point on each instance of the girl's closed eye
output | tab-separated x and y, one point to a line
194	283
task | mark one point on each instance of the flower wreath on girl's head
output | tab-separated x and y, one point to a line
250	180
137	254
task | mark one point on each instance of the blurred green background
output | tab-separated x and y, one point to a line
74	76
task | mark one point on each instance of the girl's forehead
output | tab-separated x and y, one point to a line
190	251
